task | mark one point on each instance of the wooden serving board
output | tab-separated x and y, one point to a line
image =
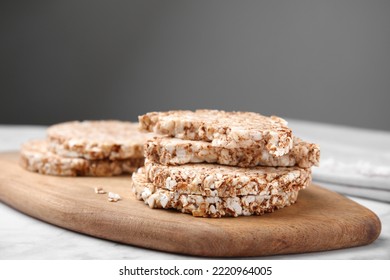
320	220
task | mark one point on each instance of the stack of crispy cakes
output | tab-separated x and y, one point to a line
212	163
88	148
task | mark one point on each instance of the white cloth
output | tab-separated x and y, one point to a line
353	161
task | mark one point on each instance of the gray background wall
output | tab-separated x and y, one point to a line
324	61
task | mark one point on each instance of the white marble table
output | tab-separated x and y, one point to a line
23	237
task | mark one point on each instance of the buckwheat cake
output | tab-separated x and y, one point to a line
210	206
35	156
174	151
226	181
223	129
93	140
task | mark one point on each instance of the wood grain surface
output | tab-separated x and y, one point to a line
320	220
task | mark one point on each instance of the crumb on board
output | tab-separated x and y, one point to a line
113	197
100	190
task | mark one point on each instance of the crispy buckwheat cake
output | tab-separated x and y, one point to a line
35	156
226	181
206	206
223	129
174	151
106	139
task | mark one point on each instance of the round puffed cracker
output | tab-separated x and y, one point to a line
223	129
210	207
34	156
106	139
175	151
226	181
